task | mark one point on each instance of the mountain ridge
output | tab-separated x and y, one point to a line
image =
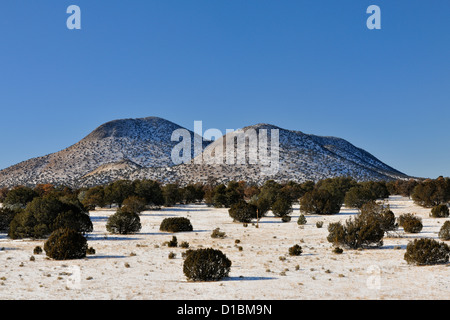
141	148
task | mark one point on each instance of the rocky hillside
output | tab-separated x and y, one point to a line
141	148
122	145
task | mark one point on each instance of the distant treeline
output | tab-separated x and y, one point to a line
152	194
36	212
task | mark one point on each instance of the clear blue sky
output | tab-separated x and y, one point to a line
308	65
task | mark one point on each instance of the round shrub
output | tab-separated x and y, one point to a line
295	250
357	196
19	197
362	231
123	222
242	212
44	215
206	265
338	250
440	211
380	212
410	223
66	243
282	207
286	218
320	201
444	232
301	220
37	250
177	224
218	234
426	252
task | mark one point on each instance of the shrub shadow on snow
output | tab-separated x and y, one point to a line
270	221
8	249
242	278
394	247
184	209
157	215
104	257
110	237
98	218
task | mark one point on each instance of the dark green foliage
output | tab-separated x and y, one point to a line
172	194
357	196
123	222
282	206
134	204
338	250
383	213
378	189
173	243
93	197
6	216
217	234
270	191
430	193
319	224
206	265
262	205
19	197
176	224
73	219
184	245
286	218
426	252
66	244
301	220
365	192
117	191
219	199
225	196
338	186
44	215
293	191
172	255
410	223
242	212
388	221
150	191
90	250
37	250
3	194
444	232
277	197
362	231
193	193
320	201
295	250
401	187
440	211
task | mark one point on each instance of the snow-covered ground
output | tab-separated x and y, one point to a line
137	266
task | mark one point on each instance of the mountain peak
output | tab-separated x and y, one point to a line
131	127
142	148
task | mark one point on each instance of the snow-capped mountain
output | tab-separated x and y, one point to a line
131	143
141	148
